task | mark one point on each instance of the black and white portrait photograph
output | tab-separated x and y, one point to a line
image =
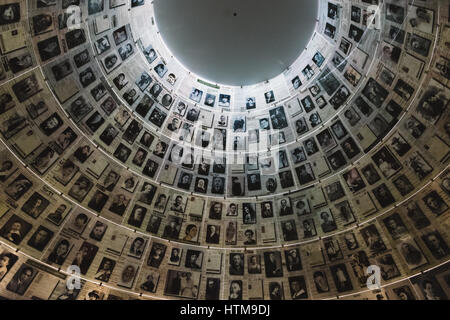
194	259
416	215
435	203
60	251
75	38
386	162
411	253
66	172
150	54
249	213
153	224
35	205
22	279
354	180
137	216
310	146
418	165
327	221
128	275
250	103
210	99
375	93
350	241
329	31
120	81
49	48
326	140
160	69
340	97
296	83
345	46
370	174
305	173
418	44
18	187
395	226
315	90
110	62
254	182
224	100
373	239
403	185
289	230
433	102
436	244
82	58
212	234
120	35
341	278
9	13
278	118
269	96
137	247
212	289
297	287
26	88
403	89
414	127
272	264
44	159
337	160
156	255
15	229
388	266
218	185
429	288
236	264
383	195
355	33
40	238
7	102
157	117
399	144
309	228
332	249
102	44
87	76
173	227
235	290
298	155
58	214
105	269
7	261
151	282
175	257
61	70
352	116
79	108
196	95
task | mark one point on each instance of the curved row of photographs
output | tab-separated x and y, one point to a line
259	166
408	244
26	278
79	130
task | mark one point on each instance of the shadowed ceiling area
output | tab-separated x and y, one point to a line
236	42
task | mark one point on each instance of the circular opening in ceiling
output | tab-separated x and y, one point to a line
236	42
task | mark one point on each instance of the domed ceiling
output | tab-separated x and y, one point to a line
224	150
236	42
